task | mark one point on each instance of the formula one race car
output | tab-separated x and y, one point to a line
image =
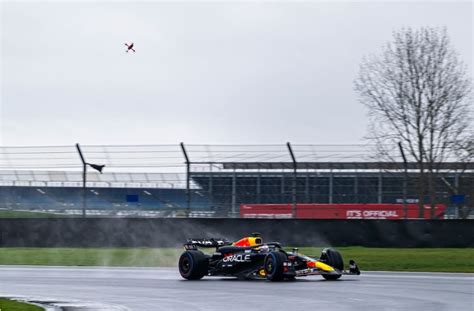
250	258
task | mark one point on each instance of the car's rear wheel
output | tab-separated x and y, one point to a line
334	259
193	265
273	265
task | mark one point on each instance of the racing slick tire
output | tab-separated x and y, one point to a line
193	265
334	259
273	265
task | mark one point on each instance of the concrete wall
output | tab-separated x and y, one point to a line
170	232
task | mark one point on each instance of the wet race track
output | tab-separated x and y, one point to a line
163	289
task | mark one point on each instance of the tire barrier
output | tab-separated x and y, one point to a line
172	232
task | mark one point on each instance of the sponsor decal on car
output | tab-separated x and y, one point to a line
237	258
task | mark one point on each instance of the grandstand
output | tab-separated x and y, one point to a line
62	191
170	180
227	188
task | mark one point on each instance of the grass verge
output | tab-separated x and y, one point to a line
375	259
27	214
12	305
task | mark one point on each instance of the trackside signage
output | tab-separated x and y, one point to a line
338	211
359	214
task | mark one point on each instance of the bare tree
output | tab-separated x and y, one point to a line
418	93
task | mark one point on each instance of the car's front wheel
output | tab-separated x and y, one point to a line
273	265
334	259
193	265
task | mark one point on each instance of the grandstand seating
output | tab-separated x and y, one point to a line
98	198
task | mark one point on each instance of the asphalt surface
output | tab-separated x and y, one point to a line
163	289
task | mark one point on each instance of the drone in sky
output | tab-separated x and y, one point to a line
129	47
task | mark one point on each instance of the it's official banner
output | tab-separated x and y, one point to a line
339	211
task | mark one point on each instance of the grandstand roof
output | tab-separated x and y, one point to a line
94	179
341	165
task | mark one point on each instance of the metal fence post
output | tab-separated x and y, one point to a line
356	189
97	167
380	188
306	188
405	177
331	185
259	199
188	179
84	180
293	209
211	184
234	193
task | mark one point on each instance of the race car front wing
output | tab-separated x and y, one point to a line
321	268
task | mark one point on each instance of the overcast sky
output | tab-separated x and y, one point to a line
221	72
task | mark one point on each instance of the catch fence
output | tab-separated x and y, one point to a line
217	180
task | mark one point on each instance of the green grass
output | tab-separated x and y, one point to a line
139	257
375	259
11	305
26	214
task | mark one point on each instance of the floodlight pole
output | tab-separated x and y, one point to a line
84	180
188	169
405	178
293	208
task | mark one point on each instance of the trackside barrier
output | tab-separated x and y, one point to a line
172	232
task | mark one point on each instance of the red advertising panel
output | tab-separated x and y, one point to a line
338	211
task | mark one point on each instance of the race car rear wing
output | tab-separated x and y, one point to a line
195	243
